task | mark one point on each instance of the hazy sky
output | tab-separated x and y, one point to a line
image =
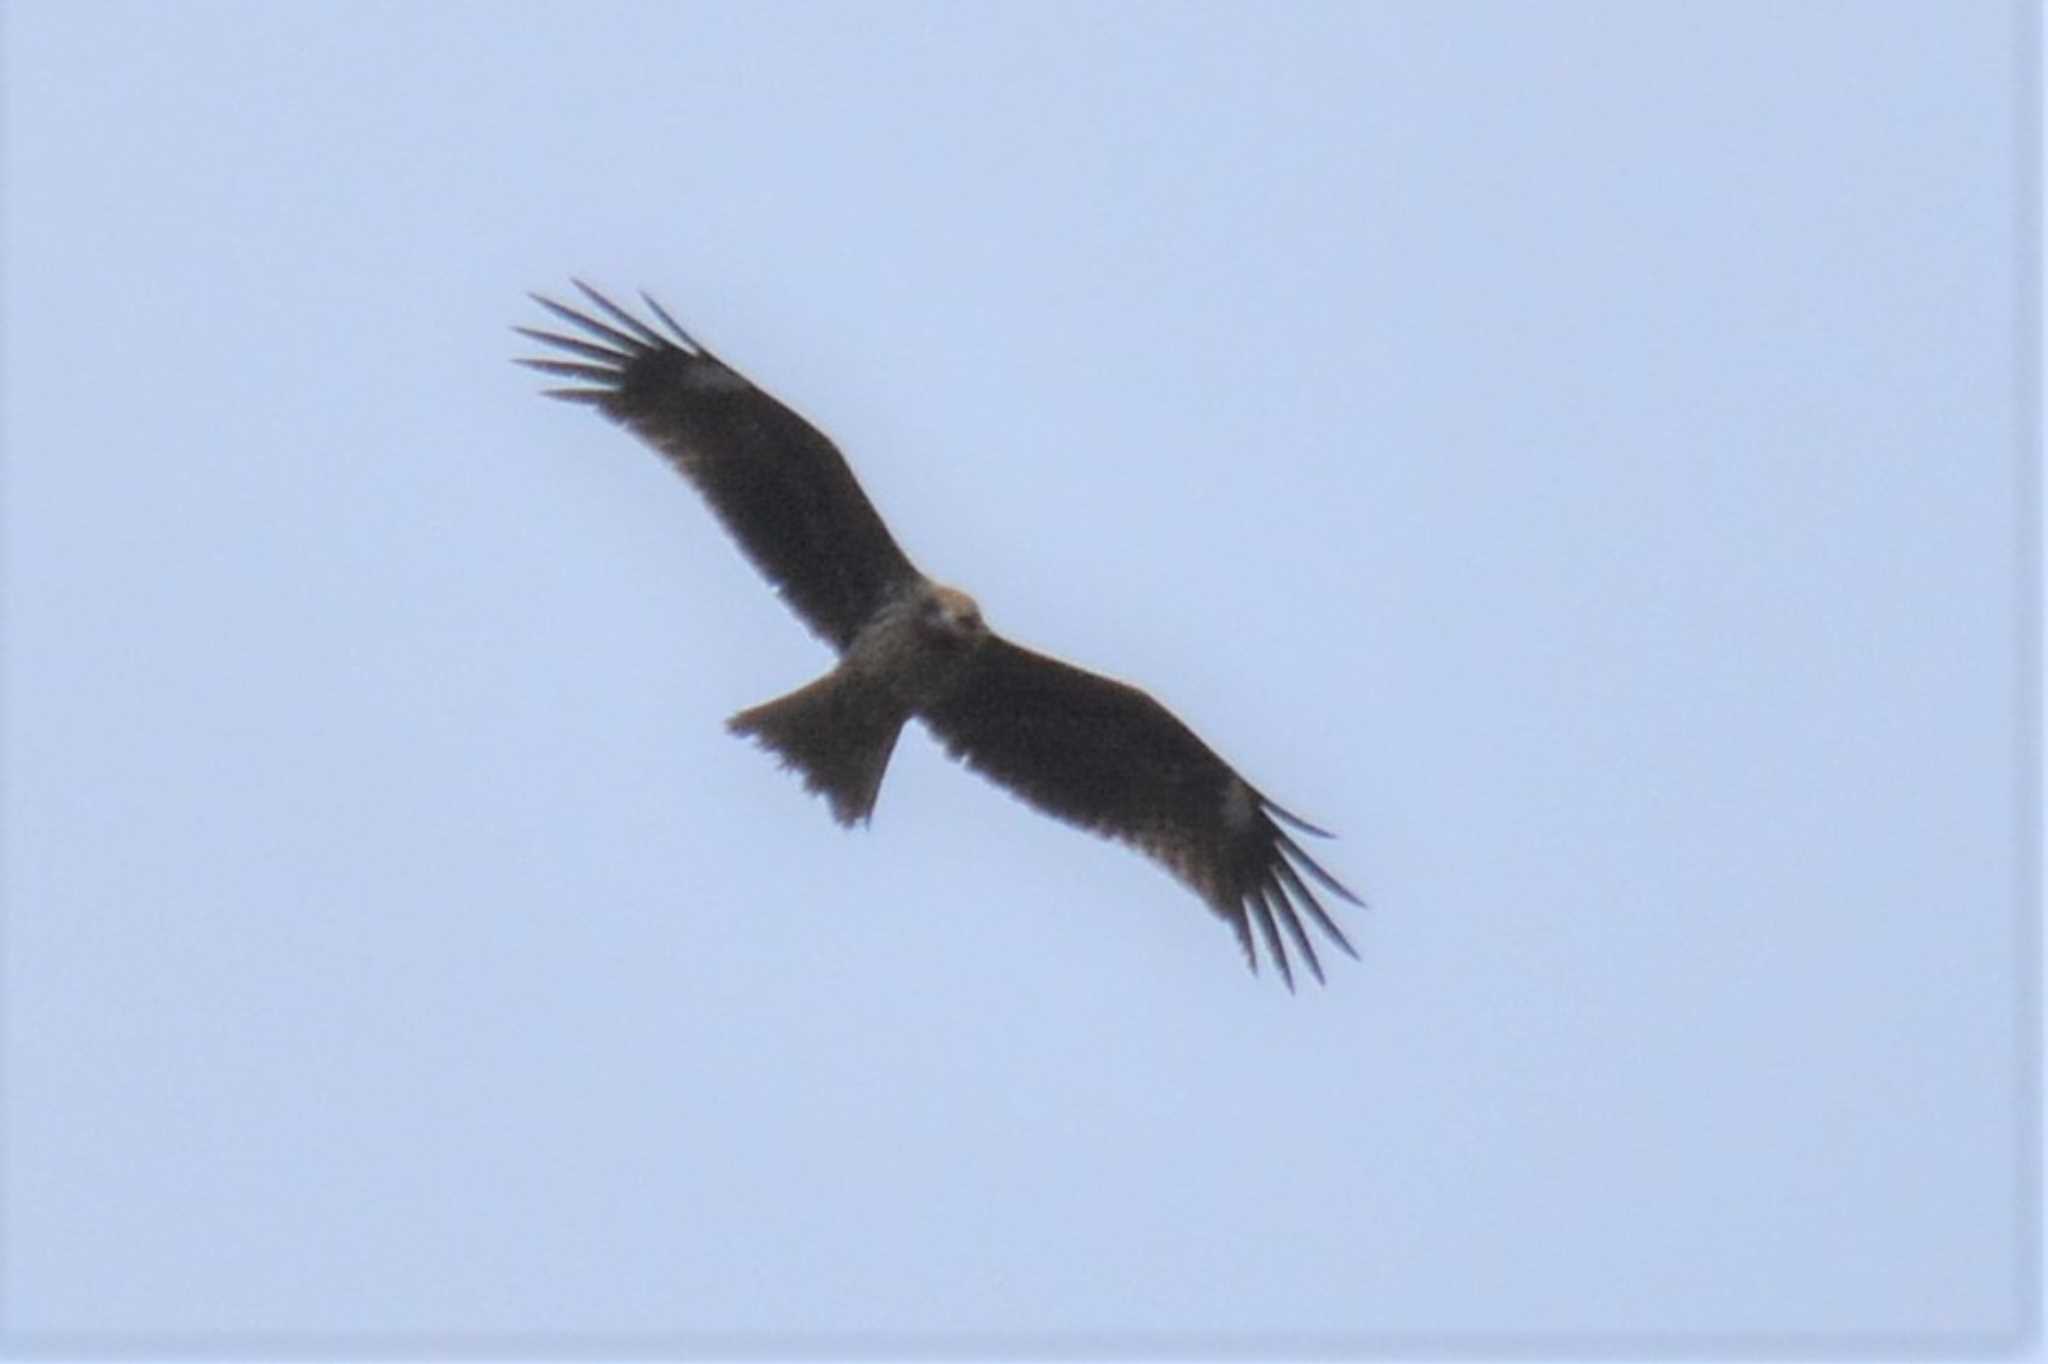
1569	449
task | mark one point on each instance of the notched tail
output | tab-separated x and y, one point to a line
837	733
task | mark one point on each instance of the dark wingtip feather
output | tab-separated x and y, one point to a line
579	346
631	345
1296	820
1271	933
1283	910
1314	868
622	317
1241	924
1307	898
688	340
571	369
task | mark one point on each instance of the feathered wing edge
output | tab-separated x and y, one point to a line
1108	758
1279	896
779	485
612	359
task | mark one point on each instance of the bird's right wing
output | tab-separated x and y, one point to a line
780	487
1107	757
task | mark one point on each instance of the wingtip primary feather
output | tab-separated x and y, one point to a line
629	344
1240	922
690	342
622	317
1307	898
1271	933
1283	909
571	369
1274	808
590	397
1315	869
576	344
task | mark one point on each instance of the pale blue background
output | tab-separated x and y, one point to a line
1570	449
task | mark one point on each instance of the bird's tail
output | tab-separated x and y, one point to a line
838	732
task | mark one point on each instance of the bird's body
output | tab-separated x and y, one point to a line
1088	750
909	657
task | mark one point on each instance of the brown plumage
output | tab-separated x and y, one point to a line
1085	749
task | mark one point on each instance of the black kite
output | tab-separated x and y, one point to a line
1083	748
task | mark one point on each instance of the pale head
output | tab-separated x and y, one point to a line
951	614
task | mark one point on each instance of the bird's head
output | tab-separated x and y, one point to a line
951	615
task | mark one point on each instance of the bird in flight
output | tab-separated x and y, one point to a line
1080	747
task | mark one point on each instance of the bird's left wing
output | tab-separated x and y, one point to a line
1109	758
781	488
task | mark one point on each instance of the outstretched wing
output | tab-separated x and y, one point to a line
780	487
1109	758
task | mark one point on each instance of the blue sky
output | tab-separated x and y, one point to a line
1569	450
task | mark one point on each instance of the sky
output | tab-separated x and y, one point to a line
1573	451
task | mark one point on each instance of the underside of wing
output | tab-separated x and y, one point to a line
780	487
1107	757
